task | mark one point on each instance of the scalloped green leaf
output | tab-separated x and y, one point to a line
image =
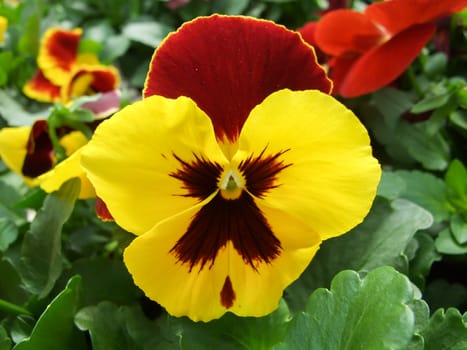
380	240
447	330
234	333
41	254
55	329
445	243
356	313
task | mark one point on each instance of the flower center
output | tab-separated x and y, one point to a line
231	185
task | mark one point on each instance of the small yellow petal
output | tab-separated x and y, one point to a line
13	146
73	141
134	158
65	170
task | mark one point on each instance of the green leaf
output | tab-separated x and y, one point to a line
425	256
8	233
431	150
368	313
229	7
121	327
380	240
421	312
456	178
114	47
428	191
391	185
445	243
5	341
436	64
459	229
149	33
446	331
104	279
233	332
41	255
55	328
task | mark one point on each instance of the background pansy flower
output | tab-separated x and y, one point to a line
63	72
235	185
29	152
3	27
369	50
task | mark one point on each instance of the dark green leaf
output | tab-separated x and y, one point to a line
233	332
8	233
104	279
41	256
380	240
368	313
436	64
121	328
446	331
114	47
421	312
55	328
428	191
5	341
425	256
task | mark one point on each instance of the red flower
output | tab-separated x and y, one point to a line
370	50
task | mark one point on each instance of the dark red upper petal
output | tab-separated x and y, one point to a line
343	31
229	64
385	63
398	15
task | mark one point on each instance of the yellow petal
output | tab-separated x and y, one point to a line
13	146
229	284
73	141
331	176
3	26
132	158
65	170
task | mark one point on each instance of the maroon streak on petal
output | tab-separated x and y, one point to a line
227	294
260	172
239	221
229	64
199	178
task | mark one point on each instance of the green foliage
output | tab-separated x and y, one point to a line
41	255
63	283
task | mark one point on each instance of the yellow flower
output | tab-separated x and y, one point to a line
229	234
3	26
232	189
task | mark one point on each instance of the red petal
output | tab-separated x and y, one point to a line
229	64
397	15
342	31
101	210
385	63
41	89
308	34
39	156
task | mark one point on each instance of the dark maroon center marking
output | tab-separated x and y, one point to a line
39	154
239	220
227	294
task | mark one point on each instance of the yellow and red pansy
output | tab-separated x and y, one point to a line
369	50
247	165
64	73
29	152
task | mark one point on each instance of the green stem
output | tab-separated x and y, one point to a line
13	308
413	81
